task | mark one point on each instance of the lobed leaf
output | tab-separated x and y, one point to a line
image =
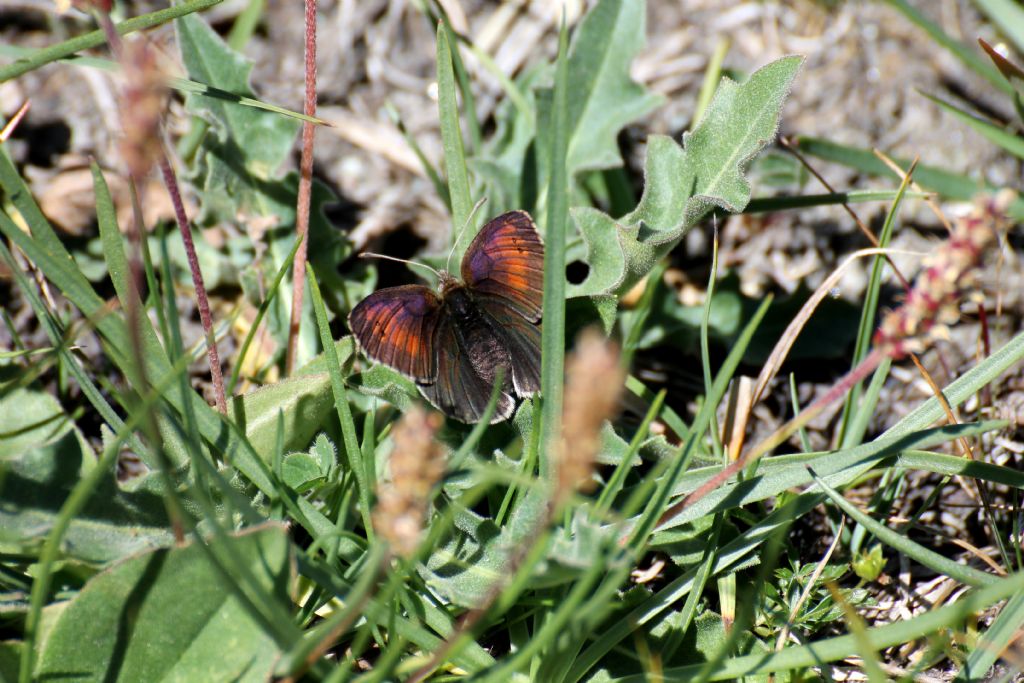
682	183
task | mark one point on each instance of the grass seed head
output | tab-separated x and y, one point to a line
594	380
416	464
142	106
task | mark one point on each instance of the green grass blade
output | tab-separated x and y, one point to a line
435	178
642	312
96	38
1008	15
858	426
348	425
902	544
834	649
465	88
670	416
553	333
55	333
184	85
657	504
782	203
962	52
839	468
712	75
1014	144
615	482
511	90
866	327
260	312
932	178
451	136
705	352
955	466
1000	634
703	574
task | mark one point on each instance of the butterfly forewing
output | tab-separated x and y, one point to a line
506	260
454	345
397	327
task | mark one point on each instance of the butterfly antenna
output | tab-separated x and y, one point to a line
458	237
370	254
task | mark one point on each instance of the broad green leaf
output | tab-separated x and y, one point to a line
10	659
237	168
373	385
381	383
30	418
468	562
741	120
43	457
603	98
606	240
325	452
505	170
240	162
168	616
684	182
303	403
48	254
301	471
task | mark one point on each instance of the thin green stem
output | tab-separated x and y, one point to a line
96	38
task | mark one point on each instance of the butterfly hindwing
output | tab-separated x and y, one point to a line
458	390
454	344
506	260
522	340
397	327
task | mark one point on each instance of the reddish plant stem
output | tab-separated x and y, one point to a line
133	303
841	388
305	190
110	32
171	181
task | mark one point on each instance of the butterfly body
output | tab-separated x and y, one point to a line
456	342
477	334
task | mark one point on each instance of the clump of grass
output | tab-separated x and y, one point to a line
329	528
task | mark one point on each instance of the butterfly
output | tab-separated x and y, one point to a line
453	343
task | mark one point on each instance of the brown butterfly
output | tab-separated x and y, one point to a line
453	343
